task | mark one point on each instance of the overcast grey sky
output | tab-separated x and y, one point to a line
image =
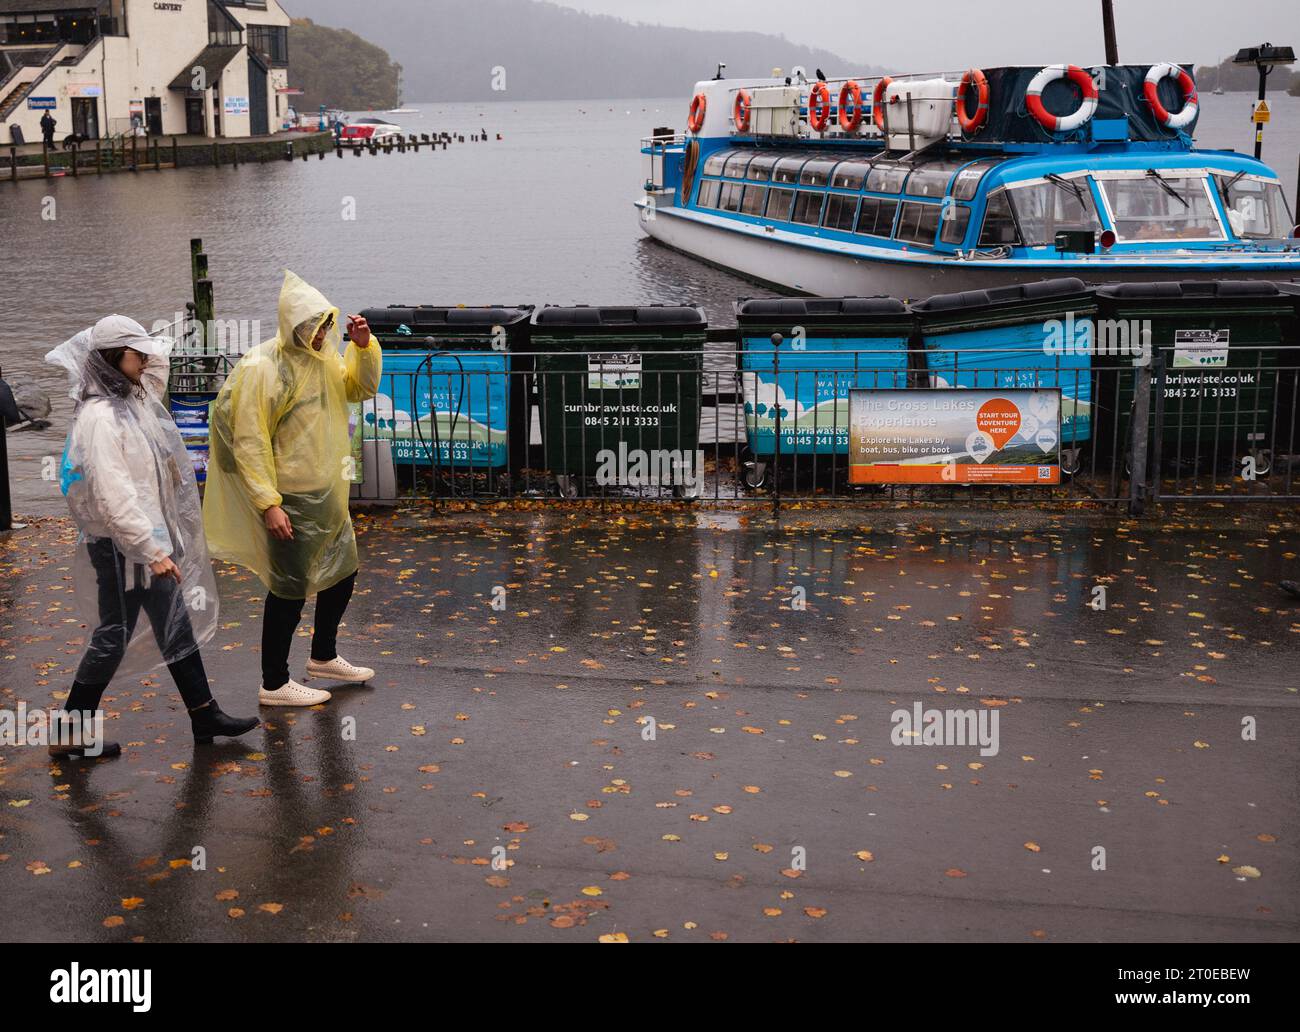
925	35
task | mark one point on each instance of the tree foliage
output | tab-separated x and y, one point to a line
339	69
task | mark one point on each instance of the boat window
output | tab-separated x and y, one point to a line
1257	209
735	166
714	162
708	196
850	175
840	212
954	219
1044	209
778	203
931	180
918	223
787	170
752	202
876	217
968	179
816	173
999	229
886	178
761	167
808	207
1160	207
729	198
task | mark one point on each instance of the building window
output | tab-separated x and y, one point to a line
270	42
223	30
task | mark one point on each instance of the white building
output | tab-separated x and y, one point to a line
104	67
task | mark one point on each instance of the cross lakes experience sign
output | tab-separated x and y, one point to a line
955	435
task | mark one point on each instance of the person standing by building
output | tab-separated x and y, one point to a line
47	129
130	486
279	476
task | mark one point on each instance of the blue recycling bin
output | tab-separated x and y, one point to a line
828	347
1027	335
454	394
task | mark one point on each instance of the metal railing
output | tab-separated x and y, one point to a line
755	427
867	128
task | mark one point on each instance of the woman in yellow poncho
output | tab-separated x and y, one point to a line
279	475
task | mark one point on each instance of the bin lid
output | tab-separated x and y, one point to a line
1188	289
838	309
1044	290
425	319
651	318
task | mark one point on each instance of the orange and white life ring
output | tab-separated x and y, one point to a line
973	78
1185	82
699	104
877	105
819	106
850	106
1061	123
740	111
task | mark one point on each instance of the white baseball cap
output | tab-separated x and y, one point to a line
117	331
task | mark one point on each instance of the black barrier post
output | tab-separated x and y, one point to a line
6	502
776	445
1139	431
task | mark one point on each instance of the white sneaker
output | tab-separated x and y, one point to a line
292	694
338	669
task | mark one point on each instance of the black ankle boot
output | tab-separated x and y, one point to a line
209	722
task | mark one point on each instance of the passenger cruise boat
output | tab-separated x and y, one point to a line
914	184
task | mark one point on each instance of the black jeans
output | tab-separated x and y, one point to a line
280	620
124	590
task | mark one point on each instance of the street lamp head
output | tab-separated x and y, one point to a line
1265	54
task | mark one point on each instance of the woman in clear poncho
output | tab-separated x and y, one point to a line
130	486
279	477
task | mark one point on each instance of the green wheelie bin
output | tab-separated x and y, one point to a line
619	393
1215	388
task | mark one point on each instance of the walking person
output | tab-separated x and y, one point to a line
279	477
47	129
130	486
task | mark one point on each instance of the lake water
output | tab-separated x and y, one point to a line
543	215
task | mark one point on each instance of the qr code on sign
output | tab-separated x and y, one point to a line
1044	472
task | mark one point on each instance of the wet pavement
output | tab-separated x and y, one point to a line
650	738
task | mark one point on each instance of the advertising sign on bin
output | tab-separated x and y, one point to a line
955	435
613	371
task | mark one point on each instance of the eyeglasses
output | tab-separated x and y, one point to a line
328	324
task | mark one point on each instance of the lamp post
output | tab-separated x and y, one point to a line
1265	57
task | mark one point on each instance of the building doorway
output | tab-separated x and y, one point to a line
257	98
85	117
194	116
153	116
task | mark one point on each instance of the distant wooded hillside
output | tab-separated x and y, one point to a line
539	51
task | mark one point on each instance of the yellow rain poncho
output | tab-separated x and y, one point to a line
279	436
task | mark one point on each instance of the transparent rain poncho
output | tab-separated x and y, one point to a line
280	436
129	483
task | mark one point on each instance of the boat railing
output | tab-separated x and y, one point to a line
663	141
867	128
